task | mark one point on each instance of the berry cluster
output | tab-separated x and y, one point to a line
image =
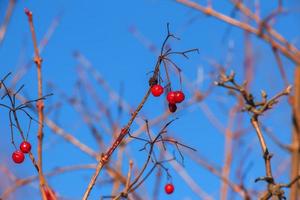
173	97
18	155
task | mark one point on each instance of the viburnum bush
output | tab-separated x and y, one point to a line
226	130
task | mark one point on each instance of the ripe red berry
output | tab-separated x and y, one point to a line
171	97
169	188
157	90
18	156
172	107
179	96
25	147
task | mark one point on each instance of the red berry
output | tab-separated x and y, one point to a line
157	90
18	156
171	97
25	147
172	107
169	188
179	96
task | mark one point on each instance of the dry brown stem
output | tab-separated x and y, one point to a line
295	144
256	109
239	189
40	108
164	54
7	17
272	37
25	181
228	151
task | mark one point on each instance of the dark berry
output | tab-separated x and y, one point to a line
172	107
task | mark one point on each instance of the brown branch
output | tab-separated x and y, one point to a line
142	176
255	124
106	156
247	12
215	170
21	71
13	108
70	138
25	181
256	109
8	14
118	166
281	67
295	143
228	148
84	148
40	106
189	180
119	139
86	115
182	172
293	55
10	175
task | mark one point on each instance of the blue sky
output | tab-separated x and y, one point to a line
100	30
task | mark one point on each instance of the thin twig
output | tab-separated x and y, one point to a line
39	105
8	14
293	55
106	156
